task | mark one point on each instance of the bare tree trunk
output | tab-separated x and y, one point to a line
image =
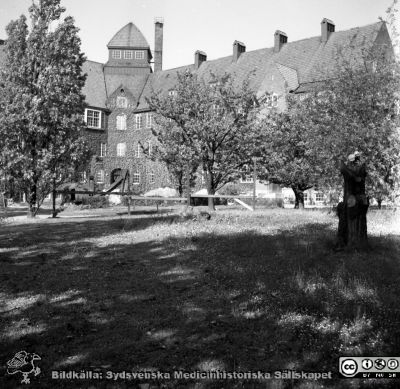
211	203
32	200
54	199
357	223
299	198
352	229
379	201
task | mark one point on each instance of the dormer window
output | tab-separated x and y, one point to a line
172	93
270	100
128	54
139	54
122	102
116	54
93	118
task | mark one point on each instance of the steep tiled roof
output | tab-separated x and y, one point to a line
95	87
128	36
290	75
301	62
135	84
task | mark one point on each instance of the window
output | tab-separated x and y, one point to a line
319	197
151	178
172	93
218	110
122	102
116	54
100	176
121	122
149	120
305	194
82	177
128	54
139	54
136	178
271	100
138	149
93	118
121	149
103	149
246	179
138	121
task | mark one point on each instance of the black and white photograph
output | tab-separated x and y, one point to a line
199	194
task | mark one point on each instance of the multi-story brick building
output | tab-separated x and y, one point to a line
118	117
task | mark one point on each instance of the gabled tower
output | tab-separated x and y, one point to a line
129	53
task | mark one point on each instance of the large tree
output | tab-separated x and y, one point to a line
213	126
357	111
41	103
287	148
353	109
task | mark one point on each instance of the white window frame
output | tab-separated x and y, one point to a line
121	149
116	54
138	121
100	176
139	54
82	177
122	102
87	110
305	197
128	54
271	100
149	120
138	150
172	93
247	178
152	178
121	122
103	149
319	194
136	178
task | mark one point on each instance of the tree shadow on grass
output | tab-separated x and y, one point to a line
240	302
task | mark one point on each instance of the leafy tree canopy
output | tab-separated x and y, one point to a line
210	125
41	103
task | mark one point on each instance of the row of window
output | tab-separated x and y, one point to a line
135	177
139	122
93	120
319	197
121	150
128	54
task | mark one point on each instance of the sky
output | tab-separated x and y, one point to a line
208	25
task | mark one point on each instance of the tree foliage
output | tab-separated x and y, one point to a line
287	148
210	125
355	109
41	103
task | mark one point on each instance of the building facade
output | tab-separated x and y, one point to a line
118	118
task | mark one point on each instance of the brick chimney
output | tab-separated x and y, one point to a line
158	43
238	49
199	58
327	27
280	38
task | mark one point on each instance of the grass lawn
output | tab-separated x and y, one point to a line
244	291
